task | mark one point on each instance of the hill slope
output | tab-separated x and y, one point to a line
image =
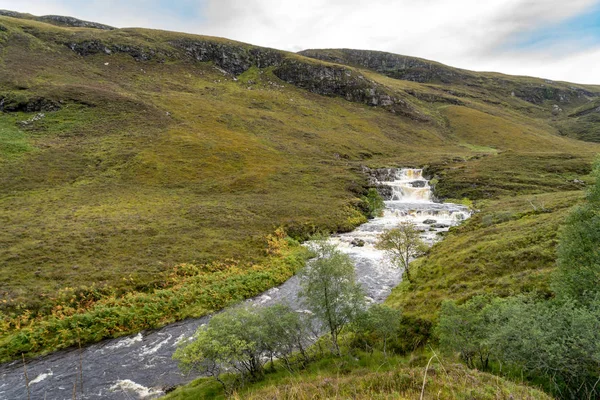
124	152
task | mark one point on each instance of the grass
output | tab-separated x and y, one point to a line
371	376
506	248
148	165
82	315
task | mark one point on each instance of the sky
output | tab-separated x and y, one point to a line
553	39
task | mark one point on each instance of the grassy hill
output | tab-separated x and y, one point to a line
125	153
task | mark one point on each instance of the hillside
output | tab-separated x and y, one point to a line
127	152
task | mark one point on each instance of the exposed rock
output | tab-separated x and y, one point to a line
418	184
74	22
91	47
235	59
3	28
15	103
380	174
538	94
556	109
357	242
587	111
392	65
33	119
386	192
429	221
339	81
57	20
440	226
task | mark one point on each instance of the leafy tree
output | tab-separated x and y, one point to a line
402	244
242	340
286	332
329	289
374	203
231	341
578	261
554	341
380	321
465	329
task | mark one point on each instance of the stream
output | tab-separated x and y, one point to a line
140	366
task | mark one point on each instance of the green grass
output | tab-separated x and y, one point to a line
150	164
13	141
370	376
506	248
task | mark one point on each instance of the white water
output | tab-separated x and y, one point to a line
411	201
140	366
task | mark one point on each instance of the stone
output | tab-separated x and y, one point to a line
429	221
358	243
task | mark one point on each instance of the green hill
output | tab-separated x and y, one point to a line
127	152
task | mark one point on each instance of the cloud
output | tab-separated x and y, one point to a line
472	34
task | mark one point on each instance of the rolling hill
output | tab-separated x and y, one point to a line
127	152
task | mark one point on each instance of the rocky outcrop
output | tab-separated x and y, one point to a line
14	103
378	175
74	22
538	94
91	47
392	65
233	58
57	20
335	80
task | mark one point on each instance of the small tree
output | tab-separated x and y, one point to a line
374	203
578	275
380	321
401	244
232	341
287	331
329	289
465	329
241	340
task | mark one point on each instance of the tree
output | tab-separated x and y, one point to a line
232	341
578	259
329	289
380	321
286	332
374	204
402	244
465	329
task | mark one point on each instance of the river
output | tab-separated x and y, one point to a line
140	366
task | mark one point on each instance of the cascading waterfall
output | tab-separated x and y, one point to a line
140	366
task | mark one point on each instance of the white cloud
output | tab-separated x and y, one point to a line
462	33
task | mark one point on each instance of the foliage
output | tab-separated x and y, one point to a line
235	345
189	291
402	244
556	343
233	340
374	203
466	329
289	335
380	322
329	289
578	259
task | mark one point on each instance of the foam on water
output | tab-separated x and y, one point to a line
411	201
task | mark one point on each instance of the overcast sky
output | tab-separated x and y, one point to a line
555	39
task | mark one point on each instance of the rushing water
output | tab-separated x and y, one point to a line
140	366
